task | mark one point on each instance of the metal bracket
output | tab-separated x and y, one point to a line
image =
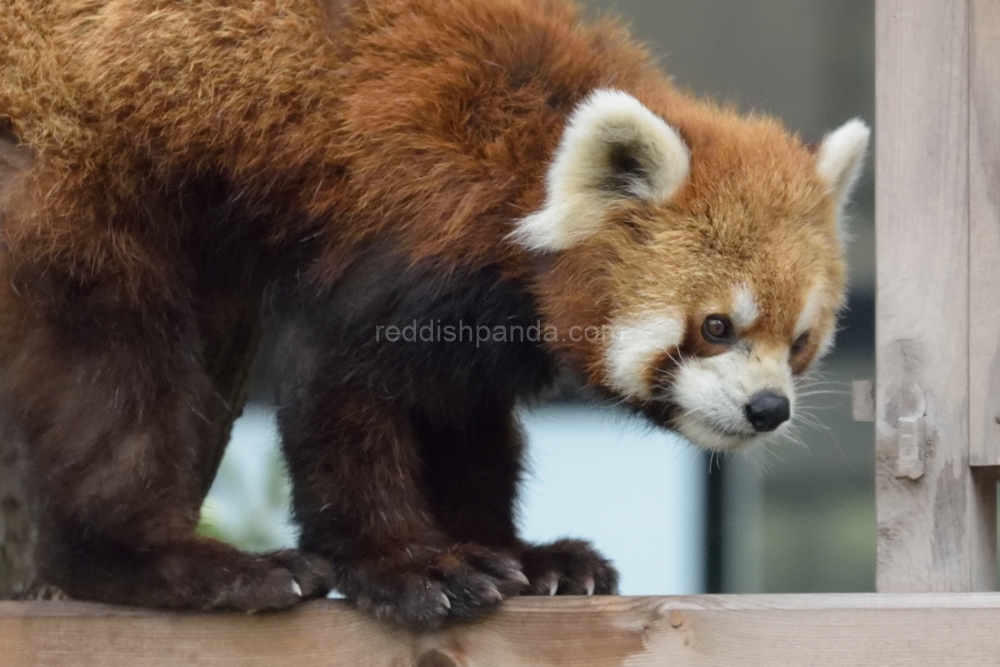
911	431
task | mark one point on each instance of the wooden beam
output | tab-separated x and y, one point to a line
700	631
936	519
984	219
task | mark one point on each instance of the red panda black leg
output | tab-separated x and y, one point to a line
110	404
359	498
472	469
472	472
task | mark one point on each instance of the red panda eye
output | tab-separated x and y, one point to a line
800	343
717	329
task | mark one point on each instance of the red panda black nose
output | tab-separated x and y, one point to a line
767	411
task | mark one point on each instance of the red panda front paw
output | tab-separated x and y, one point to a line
568	567
274	580
207	575
313	575
190	574
421	587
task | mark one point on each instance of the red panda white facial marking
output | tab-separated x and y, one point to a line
745	310
637	341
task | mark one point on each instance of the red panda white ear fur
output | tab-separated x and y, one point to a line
840	157
613	148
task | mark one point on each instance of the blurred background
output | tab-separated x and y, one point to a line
797	516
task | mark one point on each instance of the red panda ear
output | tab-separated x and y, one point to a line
613	148
840	157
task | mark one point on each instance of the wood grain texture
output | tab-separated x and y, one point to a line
984	221
938	532
700	631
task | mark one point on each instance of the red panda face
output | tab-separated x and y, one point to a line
697	266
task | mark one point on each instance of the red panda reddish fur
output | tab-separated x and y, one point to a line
355	161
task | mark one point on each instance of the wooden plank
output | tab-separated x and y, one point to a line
936	523
984	220
699	631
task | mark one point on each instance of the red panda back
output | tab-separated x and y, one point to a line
444	113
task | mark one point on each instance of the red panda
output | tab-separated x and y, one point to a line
350	169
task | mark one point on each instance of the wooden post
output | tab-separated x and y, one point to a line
936	514
984	220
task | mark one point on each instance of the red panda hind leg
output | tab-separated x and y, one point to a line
111	400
